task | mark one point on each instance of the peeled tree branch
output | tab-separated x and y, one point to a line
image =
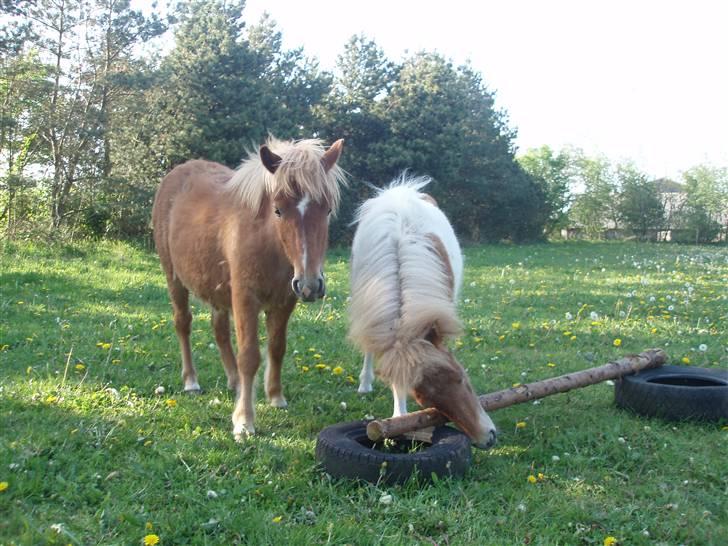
396	426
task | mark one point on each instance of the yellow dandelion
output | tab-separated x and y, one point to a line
277	519
515	385
304	369
338	370
685	360
521	424
350	379
567	334
151	540
516	325
317	356
610	541
171	403
541	476
551	365
80	367
4	486
501	338
653	331
573	338
148	526
532	479
617	342
320	366
148	443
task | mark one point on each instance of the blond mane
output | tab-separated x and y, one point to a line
300	164
400	287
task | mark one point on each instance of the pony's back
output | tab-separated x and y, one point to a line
406	270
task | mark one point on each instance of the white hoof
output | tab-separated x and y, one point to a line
193	387
278	402
241	432
363	389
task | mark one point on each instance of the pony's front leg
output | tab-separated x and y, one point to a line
366	377
276	324
245	314
400	400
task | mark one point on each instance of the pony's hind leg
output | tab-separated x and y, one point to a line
179	295
276	323
366	377
221	327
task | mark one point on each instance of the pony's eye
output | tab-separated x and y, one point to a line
277	212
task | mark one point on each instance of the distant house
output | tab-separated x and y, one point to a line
673	196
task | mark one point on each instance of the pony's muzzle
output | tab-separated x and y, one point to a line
309	289
487	442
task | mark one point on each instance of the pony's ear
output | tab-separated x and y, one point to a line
270	160
433	336
331	156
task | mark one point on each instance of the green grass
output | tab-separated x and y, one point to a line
91	455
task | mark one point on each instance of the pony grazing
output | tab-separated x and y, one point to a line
406	269
247	241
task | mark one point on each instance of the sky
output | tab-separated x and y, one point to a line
636	80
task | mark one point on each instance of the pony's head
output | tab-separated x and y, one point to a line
444	384
304	191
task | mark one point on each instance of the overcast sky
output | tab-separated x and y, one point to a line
641	79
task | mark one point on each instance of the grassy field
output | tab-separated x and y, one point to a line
90	454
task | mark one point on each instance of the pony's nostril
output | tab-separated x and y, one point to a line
296	285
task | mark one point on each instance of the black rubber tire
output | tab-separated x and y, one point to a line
342	451
675	393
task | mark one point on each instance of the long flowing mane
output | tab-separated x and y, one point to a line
300	170
400	286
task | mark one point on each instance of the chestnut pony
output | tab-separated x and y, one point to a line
247	241
406	269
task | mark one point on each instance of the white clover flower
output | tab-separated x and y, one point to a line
671	308
594	315
652	299
211	494
385	499
159	390
702	347
569	316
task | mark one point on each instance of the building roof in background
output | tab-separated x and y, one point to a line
665	185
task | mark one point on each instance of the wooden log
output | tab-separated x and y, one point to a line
430	417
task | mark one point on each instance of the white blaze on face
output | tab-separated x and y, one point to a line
302	204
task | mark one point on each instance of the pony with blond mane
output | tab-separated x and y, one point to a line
247	241
406	270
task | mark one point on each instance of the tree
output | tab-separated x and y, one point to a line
705	211
552	172
22	84
595	208
354	110
443	123
639	205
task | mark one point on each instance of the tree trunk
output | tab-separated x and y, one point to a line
396	426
